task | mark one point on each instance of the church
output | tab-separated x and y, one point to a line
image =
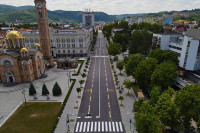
19	64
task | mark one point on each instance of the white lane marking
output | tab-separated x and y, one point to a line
106	126
102	126
77	126
110	129
99	91
99	126
88	127
91	127
117	128
95	126
80	130
120	126
84	127
113	124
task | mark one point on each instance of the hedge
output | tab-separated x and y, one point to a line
64	103
79	69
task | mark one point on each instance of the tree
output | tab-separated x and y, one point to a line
154	95
188	101
140	42
32	90
114	49
122	39
45	91
128	84
120	65
56	90
164	75
120	92
163	55
146	119
121	98
83	75
168	112
78	90
116	58
132	63
81	82
144	71
137	105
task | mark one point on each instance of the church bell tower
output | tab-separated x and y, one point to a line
43	26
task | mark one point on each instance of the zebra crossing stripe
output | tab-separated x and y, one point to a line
110	129
120	126
84	127
99	126
95	126
81	127
88	127
106	126
117	128
77	126
102	126
113	124
91	126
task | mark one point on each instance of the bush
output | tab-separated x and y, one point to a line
83	75
57	90
112	66
116	58
111	61
86	66
32	90
45	91
135	91
85	70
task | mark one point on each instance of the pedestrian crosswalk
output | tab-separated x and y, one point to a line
98	126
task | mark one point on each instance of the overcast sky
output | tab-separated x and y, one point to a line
113	6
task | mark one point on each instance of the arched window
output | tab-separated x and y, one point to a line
58	40
63	40
7	63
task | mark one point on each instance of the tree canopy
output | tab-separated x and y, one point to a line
114	49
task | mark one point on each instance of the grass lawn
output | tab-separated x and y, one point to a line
32	118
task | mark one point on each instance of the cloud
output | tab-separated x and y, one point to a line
113	6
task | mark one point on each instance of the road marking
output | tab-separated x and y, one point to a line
120	126
84	127
91	127
77	126
110	129
113	124
95	126
102	126
117	126
106	127
88	127
81	127
99	126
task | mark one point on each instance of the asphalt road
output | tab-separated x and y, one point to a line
99	110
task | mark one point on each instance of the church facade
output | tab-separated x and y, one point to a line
19	64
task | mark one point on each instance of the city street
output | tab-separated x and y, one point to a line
99	110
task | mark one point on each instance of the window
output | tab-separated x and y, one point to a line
7	63
81	45
58	40
68	45
73	40
63	40
73	45
59	51
68	40
31	40
36	40
73	51
63	45
58	45
69	51
81	51
40	14
63	51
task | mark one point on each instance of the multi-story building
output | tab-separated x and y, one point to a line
131	21
64	42
186	45
167	21
88	18
141	20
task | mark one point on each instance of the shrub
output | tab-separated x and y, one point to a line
116	58
32	90
135	91
85	70
57	90
86	66
83	75
45	91
111	61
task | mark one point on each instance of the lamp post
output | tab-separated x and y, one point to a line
23	92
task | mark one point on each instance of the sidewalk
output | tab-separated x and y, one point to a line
69	109
126	110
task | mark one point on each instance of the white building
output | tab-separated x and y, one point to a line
64	42
186	45
131	21
140	20
88	19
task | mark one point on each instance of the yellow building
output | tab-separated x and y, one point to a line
19	64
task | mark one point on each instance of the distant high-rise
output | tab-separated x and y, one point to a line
42	19
88	18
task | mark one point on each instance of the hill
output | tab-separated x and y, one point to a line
26	14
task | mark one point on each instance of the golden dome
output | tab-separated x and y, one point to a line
14	35
24	50
37	45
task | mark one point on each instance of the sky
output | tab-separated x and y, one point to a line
113	7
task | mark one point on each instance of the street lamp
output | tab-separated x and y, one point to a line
23	92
